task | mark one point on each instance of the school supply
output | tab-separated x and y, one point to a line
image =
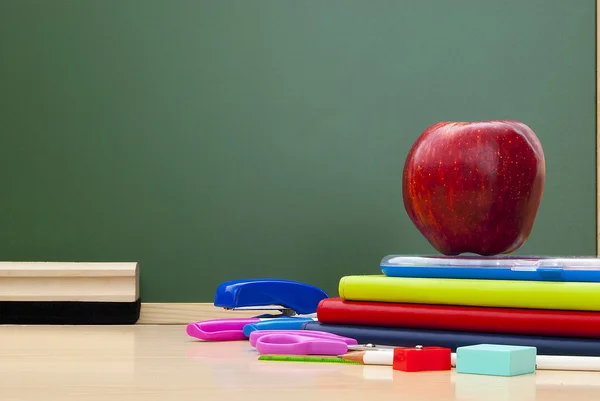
564	362
296	303
489	293
282	323
286	296
70	293
403	337
299	342
370	357
385	357
295	358
421	359
541	322
577	269
495	360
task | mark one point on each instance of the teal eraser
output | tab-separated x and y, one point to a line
496	360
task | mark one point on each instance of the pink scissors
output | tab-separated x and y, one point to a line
299	342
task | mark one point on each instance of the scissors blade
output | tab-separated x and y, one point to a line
371	347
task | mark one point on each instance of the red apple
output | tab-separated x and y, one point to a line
474	186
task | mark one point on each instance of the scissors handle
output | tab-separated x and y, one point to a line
288	344
282	323
255	335
220	329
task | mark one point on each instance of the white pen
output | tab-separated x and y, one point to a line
543	362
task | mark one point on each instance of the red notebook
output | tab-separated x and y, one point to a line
460	318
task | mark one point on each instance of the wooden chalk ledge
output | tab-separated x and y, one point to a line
69	293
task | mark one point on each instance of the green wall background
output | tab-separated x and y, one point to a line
215	140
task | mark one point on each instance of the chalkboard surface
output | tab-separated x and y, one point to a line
215	140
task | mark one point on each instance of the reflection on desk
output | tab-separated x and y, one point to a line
148	363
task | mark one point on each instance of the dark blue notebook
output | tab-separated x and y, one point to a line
402	337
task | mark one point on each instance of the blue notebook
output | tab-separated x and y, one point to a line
574	269
402	337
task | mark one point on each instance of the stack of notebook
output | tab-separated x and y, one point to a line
549	303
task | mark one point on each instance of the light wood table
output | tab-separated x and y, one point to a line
87	363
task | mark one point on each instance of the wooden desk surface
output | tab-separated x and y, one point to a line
161	363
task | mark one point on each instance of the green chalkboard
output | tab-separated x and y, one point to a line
215	140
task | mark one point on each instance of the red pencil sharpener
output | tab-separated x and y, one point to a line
421	359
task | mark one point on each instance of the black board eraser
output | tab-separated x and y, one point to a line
69	293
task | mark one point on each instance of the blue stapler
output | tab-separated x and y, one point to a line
296	303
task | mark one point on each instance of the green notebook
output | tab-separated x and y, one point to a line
486	293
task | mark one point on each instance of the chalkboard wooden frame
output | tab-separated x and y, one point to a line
183	313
